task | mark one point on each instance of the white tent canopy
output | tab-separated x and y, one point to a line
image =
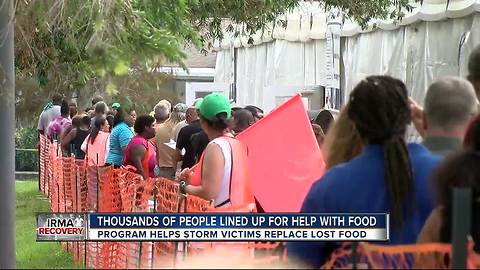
432	40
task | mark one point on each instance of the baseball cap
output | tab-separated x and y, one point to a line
213	104
115	105
180	107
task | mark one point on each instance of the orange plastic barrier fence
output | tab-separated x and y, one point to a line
81	186
71	186
69	189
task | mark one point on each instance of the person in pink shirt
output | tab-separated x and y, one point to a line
96	143
60	123
140	153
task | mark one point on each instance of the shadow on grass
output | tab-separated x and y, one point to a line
29	253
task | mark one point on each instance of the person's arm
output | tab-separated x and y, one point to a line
124	138
176	158
137	154
41	126
212	173
181	143
68	138
107	147
84	144
417	117
65	131
430	232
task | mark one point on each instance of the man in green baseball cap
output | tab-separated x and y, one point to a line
115	107
214	104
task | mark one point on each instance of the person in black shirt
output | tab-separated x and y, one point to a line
184	140
73	140
199	143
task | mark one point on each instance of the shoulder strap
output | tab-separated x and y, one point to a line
231	176
86	150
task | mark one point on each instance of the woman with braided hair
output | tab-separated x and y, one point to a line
389	176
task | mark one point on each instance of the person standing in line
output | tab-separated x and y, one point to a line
471	142
96	99
96	147
120	136
165	144
199	141
257	112
49	113
450	104
187	121
73	109
342	142
161	112
179	127
101	109
474	69
133	114
96	143
60	123
109	118
389	176
115	107
319	135
77	135
140	153
72	112
184	141
242	119
459	170
217	177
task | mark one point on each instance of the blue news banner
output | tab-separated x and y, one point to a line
214	227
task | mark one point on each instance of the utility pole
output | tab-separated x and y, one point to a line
7	139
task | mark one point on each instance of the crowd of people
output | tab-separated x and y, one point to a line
370	166
168	142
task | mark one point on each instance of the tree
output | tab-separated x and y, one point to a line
69	46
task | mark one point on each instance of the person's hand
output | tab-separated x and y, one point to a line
417	116
185	175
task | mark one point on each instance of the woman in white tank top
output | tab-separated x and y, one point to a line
224	193
215	113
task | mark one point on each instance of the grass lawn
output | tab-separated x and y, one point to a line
29	253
